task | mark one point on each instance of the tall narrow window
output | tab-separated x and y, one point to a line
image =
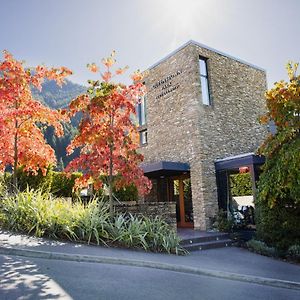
204	81
143	137
142	120
141	111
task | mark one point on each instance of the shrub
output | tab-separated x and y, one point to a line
241	184
2	186
261	248
55	182
222	222
128	193
62	186
278	226
33	181
294	252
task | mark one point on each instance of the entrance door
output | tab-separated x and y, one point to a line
181	193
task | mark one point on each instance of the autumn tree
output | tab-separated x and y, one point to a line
108	137
278	201
22	118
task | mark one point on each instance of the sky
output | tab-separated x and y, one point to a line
76	32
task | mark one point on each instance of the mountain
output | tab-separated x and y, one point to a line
57	97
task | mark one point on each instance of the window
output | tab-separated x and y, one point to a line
141	111
204	81
142	120
143	137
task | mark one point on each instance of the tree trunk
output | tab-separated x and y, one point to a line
110	184
110	179
15	167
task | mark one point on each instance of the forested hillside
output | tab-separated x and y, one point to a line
59	97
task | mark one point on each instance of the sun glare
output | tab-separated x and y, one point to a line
182	19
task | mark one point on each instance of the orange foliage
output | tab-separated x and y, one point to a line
21	141
108	137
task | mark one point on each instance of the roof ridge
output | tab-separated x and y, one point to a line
208	48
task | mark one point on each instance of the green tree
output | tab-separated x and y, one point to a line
278	202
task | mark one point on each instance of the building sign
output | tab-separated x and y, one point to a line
166	85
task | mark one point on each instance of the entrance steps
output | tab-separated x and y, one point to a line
193	240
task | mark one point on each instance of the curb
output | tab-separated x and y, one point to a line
153	265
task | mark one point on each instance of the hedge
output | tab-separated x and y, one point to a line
241	184
61	185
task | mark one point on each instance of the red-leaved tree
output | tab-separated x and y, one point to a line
22	143
108	136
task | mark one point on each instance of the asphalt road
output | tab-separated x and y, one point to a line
22	278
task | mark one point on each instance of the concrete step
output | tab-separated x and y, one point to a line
208	245
203	239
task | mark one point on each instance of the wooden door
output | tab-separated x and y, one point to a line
181	194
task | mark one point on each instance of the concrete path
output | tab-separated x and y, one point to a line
225	263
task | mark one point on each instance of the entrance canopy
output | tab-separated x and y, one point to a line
171	183
233	162
226	166
165	168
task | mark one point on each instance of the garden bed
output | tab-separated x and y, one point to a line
42	215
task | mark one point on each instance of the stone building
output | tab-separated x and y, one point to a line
202	108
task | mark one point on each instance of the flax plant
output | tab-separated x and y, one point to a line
39	213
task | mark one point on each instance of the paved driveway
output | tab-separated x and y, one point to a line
33	268
23	278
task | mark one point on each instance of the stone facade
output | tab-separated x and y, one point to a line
166	210
181	129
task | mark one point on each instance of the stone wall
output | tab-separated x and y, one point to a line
167	210
181	128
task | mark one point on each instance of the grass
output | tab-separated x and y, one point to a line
39	213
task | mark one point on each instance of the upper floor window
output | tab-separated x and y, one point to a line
204	81
141	111
143	137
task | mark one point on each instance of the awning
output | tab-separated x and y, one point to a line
234	162
165	168
226	166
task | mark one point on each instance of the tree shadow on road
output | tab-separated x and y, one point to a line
9	239
23	279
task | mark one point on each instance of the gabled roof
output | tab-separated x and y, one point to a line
191	42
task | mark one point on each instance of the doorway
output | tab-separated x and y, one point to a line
181	193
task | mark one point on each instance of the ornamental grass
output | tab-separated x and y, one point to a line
41	214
